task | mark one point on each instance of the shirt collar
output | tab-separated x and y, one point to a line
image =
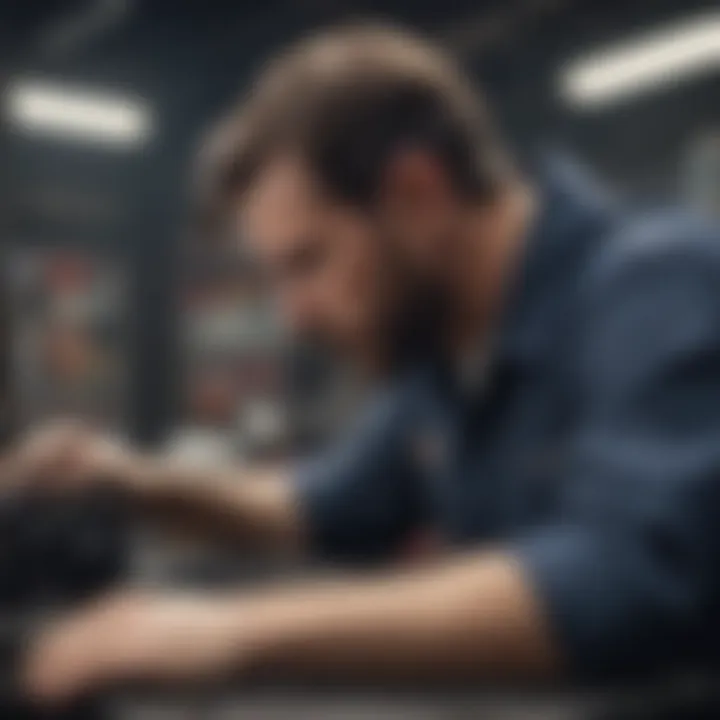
572	212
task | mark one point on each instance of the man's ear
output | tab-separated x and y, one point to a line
415	181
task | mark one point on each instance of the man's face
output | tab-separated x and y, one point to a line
360	281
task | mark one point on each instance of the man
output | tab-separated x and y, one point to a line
552	405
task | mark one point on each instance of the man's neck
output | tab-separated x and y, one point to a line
493	244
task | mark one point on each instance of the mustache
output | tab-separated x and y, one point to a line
406	334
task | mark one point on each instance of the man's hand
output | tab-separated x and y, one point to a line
66	457
132	638
253	506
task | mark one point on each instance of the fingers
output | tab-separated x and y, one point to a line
60	666
99	645
129	637
76	654
50	677
54	457
51	453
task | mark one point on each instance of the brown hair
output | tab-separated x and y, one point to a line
344	100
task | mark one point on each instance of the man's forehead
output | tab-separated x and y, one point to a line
283	199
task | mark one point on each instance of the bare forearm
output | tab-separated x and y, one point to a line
475	619
252	506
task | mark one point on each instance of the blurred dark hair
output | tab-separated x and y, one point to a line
344	101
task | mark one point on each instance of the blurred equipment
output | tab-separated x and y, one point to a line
58	551
53	553
233	363
68	342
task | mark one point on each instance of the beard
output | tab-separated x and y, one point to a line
412	329
412	317
409	313
409	318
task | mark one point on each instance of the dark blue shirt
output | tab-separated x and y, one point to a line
591	452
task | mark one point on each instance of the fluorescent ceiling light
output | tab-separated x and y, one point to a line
647	62
80	115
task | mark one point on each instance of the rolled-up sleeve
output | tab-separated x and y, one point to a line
628	570
360	499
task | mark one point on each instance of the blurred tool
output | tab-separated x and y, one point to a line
53	553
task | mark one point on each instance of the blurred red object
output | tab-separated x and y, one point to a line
67	273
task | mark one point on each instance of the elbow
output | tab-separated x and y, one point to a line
501	630
614	607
